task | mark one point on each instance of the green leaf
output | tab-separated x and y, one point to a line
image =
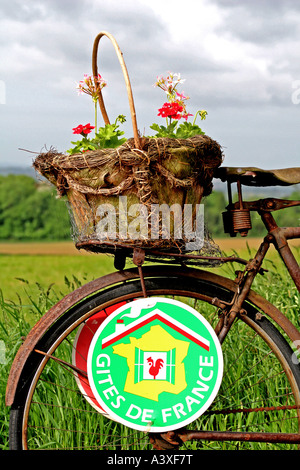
162	131
106	137
187	130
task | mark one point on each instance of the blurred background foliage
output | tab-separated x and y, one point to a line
31	211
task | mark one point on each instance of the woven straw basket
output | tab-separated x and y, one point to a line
143	173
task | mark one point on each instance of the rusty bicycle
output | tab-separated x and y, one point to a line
48	391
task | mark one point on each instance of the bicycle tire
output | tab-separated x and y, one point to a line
31	419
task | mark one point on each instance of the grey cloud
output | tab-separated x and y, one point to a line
261	21
18	11
269	7
35	10
251	26
48	46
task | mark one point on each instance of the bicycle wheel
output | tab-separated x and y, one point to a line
259	392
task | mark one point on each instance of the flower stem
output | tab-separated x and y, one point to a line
195	117
95	117
202	113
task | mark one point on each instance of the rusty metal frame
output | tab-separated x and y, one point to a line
276	235
279	237
174	439
284	438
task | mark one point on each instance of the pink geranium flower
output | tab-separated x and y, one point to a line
91	85
175	108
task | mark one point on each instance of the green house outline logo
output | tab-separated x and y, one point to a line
135	409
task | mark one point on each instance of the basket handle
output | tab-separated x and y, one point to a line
127	82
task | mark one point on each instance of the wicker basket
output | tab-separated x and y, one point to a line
142	174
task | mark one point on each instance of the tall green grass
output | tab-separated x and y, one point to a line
23	301
17	317
48	270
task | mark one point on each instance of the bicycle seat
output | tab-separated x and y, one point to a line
251	176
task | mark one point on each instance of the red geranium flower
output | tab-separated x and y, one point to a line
87	129
78	129
84	130
171	110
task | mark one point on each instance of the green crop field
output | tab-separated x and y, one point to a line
28	267
20	273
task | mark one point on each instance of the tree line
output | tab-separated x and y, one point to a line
31	211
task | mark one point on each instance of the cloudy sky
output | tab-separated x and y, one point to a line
240	59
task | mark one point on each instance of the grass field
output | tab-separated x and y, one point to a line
48	269
33	276
52	263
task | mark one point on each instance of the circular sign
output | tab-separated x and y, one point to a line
155	364
80	350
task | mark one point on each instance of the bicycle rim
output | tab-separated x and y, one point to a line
259	391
